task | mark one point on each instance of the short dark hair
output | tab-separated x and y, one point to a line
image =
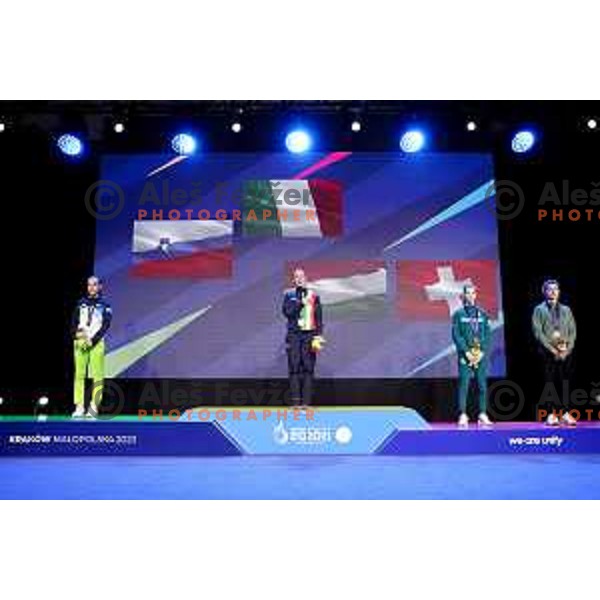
548	283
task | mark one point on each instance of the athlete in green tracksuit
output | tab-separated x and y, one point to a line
471	334
91	321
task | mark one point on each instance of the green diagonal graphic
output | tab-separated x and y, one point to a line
122	358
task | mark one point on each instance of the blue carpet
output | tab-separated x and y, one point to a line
368	477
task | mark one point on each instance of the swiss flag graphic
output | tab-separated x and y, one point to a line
430	290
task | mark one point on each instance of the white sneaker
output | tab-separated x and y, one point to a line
568	419
484	420
552	420
463	421
79	412
91	413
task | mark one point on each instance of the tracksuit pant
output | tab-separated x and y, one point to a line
89	363
301	366
556	374
465	375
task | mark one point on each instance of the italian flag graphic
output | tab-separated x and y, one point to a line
292	208
307	314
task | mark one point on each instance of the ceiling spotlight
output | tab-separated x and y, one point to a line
184	144
298	141
2	127
43	401
412	141
356	126
70	145
119	128
523	142
236	127
471	126
592	124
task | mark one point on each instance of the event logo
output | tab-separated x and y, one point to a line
280	434
311	435
343	435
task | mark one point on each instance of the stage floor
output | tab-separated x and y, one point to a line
304	477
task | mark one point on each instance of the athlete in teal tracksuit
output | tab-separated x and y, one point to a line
471	334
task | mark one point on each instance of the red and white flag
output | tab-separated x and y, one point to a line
431	290
182	249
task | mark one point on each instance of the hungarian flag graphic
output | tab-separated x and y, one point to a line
431	290
292	208
346	287
182	249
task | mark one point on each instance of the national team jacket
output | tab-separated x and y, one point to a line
303	317
468	323
93	317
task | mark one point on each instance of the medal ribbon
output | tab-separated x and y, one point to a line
474	325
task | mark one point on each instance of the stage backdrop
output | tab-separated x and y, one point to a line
197	252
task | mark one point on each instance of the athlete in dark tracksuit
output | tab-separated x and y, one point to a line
302	308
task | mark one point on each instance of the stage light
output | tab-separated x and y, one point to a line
40	408
70	145
184	143
412	141
236	127
356	126
1	401
471	126
119	128
523	141
298	141
592	124
2	127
